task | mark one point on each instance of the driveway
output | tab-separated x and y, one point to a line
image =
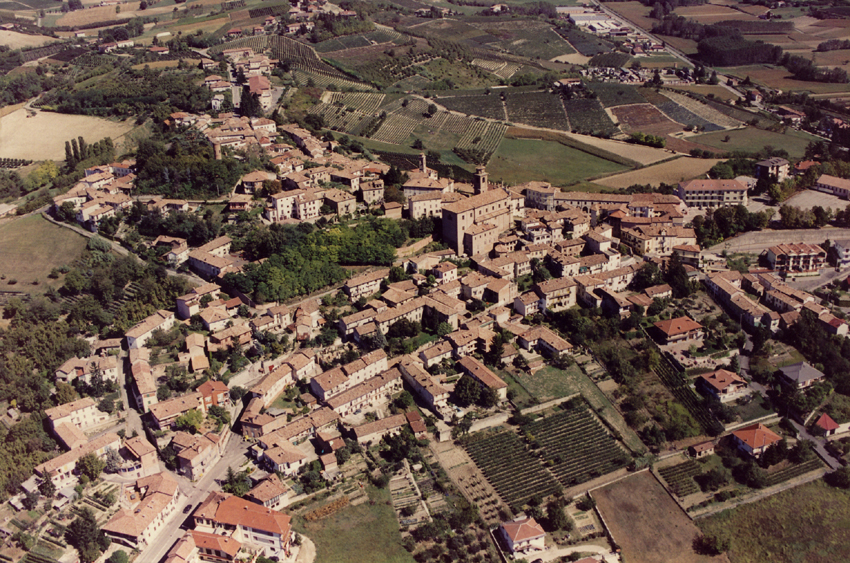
554	554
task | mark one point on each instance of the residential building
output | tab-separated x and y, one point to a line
214	393
76	368
374	431
255	526
472	226
366	395
801	375
139	335
425	386
141	458
61	469
545	341
724	385
82	413
755	439
523	536
482	374
842	253
270	493
164	414
680	329
707	194
776	168
139	525
839	187
365	284
796	259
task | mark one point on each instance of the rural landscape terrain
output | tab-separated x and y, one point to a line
424	281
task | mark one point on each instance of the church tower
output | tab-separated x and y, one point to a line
481	184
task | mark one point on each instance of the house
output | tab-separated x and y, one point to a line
365	284
472	226
196	453
425	386
826	426
139	524
374	431
61	469
164	414
722	384
214	393
139	335
522	536
703	449
270	492
82	413
257	527
800	375
755	439
283	458
545	341
141	456
77	368
366	395
680	329
775	167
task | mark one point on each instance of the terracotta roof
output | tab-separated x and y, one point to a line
757	436
713	185
268	488
677	326
721	379
522	530
228	545
825	422
65	410
234	511
480	372
395	421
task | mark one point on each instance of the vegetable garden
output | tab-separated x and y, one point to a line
507	465
680	477
576	445
538	109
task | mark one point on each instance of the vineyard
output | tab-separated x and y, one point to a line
586	44
680	387
258	43
411	161
68	55
341	118
39	52
395	129
483	137
577	446
792	471
703	111
680	478
306	78
365	102
587	116
611	94
538	109
489	106
13	162
266	11
513	472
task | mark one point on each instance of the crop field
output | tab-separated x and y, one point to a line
670	172
611	94
341	43
365	102
751	139
642	117
94	15
708	14
514	473
636	12
502	69
31	247
395	129
588	116
541	43
15	40
807	523
684	116
636	510
703	111
304	77
523	160
578	446
585	43
43	136
680	478
719	92
489	106
779	77
538	109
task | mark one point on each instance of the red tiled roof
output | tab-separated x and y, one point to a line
757	436
825	422
521	530
674	327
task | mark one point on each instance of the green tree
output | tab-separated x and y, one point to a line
84	534
119	556
47	488
467	391
677	277
91	466
191	421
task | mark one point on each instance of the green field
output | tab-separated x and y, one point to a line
30	248
366	533
523	160
809	523
752	139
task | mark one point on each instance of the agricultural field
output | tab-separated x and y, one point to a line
644	118
779	77
711	13
523	160
510	468
483	136
709	114
680	477
611	94
542	43
502	69
395	129
30	248
577	446
585	43
718	92
43	136
587	116
752	139
489	106
365	533
15	40
93	16
637	509
670	172
807	523
538	109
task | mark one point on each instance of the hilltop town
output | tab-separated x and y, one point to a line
423	282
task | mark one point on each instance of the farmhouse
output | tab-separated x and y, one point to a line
522	536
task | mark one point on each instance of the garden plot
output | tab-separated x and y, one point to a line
538	109
406	501
577	447
680	478
701	110
508	466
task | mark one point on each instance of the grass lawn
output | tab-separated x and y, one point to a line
805	524
30	248
552	383
751	139
752	410
366	533
523	160
522	399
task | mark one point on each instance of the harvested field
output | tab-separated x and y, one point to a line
635	12
647	524
43	137
779	77
704	89
638	153
15	40
670	172
94	15
645	118
708	14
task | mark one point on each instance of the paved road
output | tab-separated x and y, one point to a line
194	493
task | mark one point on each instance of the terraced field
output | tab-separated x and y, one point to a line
538	109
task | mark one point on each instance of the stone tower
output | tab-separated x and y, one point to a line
481	185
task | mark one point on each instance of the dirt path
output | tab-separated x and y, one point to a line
307	552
